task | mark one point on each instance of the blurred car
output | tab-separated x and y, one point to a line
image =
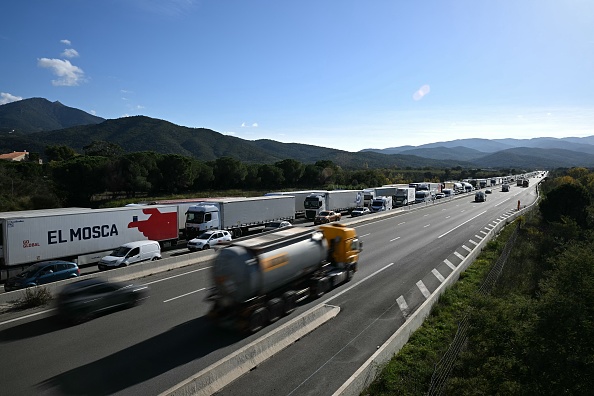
327	216
439	195
360	211
80	301
488	191
41	273
275	225
480	196
209	239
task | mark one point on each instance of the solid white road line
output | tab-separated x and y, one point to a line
460	225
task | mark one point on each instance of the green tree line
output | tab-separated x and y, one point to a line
70	179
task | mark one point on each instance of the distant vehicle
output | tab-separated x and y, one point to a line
404	196
327	216
381	203
488	191
275	225
525	183
82	300
440	195
42	273
448	192
480	196
209	239
131	253
505	188
360	212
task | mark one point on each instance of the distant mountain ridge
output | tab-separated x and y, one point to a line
38	122
38	114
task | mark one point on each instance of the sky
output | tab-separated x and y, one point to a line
343	74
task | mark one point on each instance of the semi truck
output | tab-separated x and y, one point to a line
262	278
340	201
381	204
81	235
423	196
299	199
368	196
404	196
239	216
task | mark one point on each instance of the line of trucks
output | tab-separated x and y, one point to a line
85	235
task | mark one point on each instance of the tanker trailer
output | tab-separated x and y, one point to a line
258	280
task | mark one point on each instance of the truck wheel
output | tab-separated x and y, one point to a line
237	233
258	320
275	309
289	299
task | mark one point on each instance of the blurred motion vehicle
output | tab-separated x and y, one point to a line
440	195
209	239
480	196
488	191
505	188
131	253
82	300
360	212
327	216
41	273
275	225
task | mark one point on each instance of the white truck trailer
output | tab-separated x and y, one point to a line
79	234
299	199
240	216
341	201
404	196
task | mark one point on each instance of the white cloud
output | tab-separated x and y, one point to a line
67	42
7	98
255	125
70	53
243	125
139	107
424	90
93	112
69	75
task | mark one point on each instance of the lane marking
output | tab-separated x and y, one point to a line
26	316
459	255
473	242
460	225
423	289
175	276
364	235
426	226
403	305
392	240
358	283
447	217
466	248
404	222
449	264
184	295
438	275
478	236
483	232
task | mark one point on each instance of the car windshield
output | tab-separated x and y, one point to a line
324	213
205	235
120	252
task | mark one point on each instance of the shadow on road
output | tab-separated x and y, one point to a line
141	362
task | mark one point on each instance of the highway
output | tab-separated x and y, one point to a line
149	348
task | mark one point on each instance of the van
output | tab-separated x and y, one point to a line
131	253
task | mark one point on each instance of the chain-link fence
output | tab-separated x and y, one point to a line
443	368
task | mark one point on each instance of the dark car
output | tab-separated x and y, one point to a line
41	273
82	300
327	216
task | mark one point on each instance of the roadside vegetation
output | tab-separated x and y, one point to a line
105	173
533	334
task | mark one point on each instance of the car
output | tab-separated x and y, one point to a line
360	211
327	216
82	300
209	239
480	196
439	195
275	225
41	273
488	191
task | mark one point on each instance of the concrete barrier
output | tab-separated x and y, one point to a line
367	373
223	372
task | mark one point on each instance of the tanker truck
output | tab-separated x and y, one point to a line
260	279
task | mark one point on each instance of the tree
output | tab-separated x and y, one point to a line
229	173
177	172
293	171
567	200
271	176
59	153
80	178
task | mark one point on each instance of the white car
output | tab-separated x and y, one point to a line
275	225
208	239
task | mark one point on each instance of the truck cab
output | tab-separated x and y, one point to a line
200	218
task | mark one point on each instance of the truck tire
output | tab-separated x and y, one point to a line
258	319
290	301
237	233
275	309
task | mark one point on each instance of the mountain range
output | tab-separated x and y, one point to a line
32	124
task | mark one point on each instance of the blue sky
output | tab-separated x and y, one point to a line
338	73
